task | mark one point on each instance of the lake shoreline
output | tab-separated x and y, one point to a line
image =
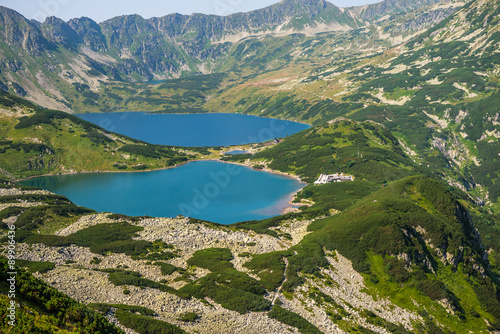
192	113
195	130
272	171
290	207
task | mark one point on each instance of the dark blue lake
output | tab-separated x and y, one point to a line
209	190
195	129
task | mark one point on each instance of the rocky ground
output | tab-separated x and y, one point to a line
77	273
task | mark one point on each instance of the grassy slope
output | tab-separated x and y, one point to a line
409	224
366	150
38	141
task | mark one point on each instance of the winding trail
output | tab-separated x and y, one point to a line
284	279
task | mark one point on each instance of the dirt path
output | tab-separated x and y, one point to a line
284	279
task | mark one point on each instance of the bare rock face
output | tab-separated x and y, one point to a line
17	31
89	33
374	11
59	32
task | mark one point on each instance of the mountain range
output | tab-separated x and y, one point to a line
57	54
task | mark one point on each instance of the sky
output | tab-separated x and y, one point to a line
101	10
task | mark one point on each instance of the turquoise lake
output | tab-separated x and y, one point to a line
236	152
210	190
195	129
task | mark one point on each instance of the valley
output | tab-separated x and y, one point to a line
402	95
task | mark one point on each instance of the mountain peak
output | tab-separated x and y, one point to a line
20	31
302	6
60	32
305	2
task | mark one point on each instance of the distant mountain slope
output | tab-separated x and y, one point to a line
390	7
438	93
43	61
447	80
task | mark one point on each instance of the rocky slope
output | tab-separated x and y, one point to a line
429	271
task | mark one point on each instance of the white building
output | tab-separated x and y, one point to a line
323	178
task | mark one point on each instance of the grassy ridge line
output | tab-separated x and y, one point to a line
363	149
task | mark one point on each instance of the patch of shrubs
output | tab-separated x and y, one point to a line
36	266
144	324
213	259
60	309
189	317
105	308
293	319
102	238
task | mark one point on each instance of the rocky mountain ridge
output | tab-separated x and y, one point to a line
131	48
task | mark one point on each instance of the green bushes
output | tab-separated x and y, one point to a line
309	258
35	217
339	196
105	308
166	268
270	268
435	289
143	324
382	224
128	247
213	259
45	116
262	226
341	147
11	211
381	322
144	150
118	216
159	256
123	277
488	293
189	317
102	238
293	319
97	138
26	147
232	289
41	117
36	266
49	199
155	152
237	157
